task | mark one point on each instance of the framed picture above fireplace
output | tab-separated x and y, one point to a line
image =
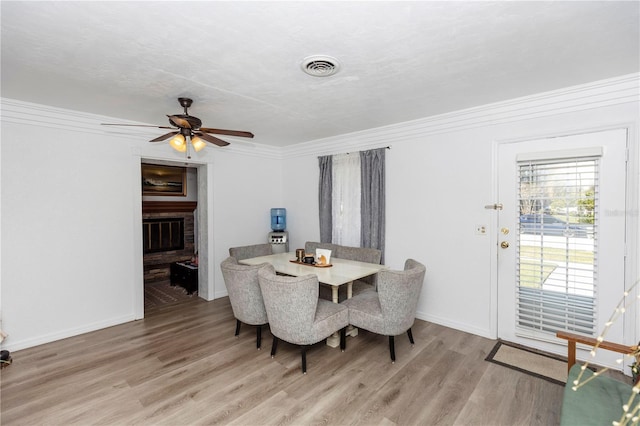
164	180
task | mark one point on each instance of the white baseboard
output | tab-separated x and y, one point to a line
467	328
63	334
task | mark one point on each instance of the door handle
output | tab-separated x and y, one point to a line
504	244
496	206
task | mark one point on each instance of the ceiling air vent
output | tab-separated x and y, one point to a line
320	66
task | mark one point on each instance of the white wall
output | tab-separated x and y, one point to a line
71	201
246	188
440	175
66	232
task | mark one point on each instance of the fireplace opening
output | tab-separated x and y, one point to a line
163	234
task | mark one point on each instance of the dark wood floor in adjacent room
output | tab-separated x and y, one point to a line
182	365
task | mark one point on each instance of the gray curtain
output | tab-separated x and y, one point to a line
324	198
372	204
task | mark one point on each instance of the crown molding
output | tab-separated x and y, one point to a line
613	91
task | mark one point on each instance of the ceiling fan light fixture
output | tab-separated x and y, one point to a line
178	143
198	144
320	65
187	129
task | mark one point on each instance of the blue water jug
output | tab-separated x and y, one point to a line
278	219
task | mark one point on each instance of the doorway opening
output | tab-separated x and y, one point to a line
170	239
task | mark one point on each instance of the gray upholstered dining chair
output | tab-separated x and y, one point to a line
361	254
392	309
295	313
246	252
311	246
245	295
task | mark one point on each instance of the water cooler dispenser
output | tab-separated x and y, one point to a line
279	238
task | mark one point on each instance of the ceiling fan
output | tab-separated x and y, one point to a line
186	126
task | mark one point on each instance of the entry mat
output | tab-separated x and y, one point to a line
545	366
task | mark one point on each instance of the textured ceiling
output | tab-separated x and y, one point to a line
240	61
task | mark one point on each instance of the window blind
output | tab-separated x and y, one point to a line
556	252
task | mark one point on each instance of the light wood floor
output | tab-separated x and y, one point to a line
182	365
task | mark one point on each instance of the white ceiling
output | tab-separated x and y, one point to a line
240	61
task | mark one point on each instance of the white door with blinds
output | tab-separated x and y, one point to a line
561	237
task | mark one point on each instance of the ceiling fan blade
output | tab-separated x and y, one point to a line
136	125
163	137
211	139
179	121
227	132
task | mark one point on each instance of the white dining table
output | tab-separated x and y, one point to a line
342	272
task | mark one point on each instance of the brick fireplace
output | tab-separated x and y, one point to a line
157	264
